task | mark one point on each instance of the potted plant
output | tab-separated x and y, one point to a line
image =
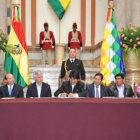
130	39
3	42
130	42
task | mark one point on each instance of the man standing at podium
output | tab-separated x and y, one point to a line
11	89
75	40
47	43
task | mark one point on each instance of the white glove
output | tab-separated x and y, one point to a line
81	48
43	41
52	47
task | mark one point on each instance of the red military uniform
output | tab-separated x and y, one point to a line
46	39
75	39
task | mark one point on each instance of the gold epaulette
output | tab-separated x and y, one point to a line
83	81
65	60
65	65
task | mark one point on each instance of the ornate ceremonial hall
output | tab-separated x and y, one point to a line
76	65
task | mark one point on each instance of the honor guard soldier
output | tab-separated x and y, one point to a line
70	64
47	43
75	40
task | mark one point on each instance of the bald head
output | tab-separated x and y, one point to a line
10	79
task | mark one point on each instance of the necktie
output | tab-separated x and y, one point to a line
97	92
73	87
72	61
10	91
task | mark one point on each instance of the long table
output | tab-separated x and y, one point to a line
70	119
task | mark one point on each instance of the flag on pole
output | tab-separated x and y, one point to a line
16	62
111	62
59	7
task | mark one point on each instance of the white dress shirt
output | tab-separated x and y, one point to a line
75	94
72	60
99	91
121	91
39	87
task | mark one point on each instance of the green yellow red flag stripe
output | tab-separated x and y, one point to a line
16	62
59	7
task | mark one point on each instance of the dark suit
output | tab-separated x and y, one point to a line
67	88
90	91
77	65
17	91
113	91
45	91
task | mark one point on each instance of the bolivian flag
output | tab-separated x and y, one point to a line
59	7
16	62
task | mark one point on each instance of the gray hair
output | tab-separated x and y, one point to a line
36	73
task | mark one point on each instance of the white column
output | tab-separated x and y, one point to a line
28	21
129	13
136	12
120	13
88	23
100	19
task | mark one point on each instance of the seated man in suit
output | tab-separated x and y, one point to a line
120	89
71	88
11	89
38	88
96	89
